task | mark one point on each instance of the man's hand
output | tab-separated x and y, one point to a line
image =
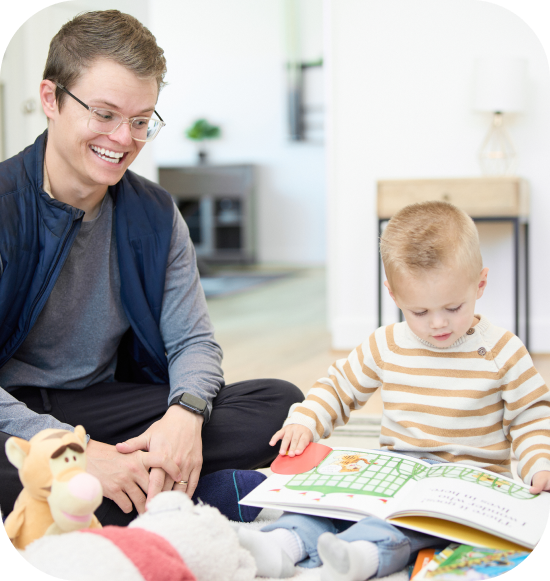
540	482
125	477
176	436
294	438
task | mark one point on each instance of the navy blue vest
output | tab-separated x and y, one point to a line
36	235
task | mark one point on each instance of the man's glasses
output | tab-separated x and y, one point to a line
105	122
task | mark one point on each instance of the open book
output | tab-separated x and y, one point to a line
454	501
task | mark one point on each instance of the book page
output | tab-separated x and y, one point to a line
354	482
478	498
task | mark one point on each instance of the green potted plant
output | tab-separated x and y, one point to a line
199	132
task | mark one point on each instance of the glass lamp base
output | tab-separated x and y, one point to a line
497	155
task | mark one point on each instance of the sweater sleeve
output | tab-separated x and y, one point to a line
194	356
526	421
16	419
349	385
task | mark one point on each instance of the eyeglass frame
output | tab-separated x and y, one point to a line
128	119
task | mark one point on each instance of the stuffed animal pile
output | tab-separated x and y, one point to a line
58	494
174	540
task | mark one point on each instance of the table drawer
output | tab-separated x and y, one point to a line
478	197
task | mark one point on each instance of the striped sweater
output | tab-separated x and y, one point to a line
472	402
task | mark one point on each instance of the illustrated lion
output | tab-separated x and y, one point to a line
350	462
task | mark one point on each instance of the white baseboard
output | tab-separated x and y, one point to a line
348	332
360	426
539	335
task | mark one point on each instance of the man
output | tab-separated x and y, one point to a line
102	318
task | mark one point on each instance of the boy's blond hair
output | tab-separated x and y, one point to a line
427	236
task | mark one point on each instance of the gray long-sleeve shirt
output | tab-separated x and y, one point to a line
74	342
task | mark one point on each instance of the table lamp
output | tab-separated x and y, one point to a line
499	89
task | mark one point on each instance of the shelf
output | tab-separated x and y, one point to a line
218	205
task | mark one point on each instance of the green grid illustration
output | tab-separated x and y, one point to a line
371	474
480	478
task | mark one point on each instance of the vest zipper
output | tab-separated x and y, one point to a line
50	274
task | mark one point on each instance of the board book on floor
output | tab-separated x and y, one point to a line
454	501
467	563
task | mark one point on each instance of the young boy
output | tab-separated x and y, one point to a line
455	388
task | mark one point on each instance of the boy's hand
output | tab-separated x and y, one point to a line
294	438
540	482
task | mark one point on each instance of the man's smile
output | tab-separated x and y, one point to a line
107	155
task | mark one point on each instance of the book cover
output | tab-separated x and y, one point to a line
467	563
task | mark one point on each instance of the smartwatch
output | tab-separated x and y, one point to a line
190	402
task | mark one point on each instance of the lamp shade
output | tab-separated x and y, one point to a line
500	84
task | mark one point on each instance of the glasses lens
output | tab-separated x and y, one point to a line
107	122
104	121
144	128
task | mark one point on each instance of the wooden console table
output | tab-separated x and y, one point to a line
487	199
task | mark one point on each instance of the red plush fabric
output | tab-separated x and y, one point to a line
153	556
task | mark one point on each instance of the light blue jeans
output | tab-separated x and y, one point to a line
396	547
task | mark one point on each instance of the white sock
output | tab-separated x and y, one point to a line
275	552
288	541
343	561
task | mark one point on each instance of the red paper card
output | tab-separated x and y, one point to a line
307	460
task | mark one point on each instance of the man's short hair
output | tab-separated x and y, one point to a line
105	34
427	236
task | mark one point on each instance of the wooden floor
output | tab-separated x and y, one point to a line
280	330
276	330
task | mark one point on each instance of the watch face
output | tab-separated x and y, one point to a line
193	402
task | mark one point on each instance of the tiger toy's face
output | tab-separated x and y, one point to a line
75	494
52	468
33	458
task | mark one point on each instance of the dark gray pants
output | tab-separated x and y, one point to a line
244	417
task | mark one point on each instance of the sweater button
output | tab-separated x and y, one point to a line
482	351
470	331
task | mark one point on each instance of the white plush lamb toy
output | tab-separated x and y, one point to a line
174	540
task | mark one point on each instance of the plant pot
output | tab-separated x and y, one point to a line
202	157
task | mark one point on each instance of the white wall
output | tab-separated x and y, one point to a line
226	62
400	94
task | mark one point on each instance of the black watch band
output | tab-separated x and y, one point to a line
190	402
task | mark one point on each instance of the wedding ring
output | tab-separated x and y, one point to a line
182	482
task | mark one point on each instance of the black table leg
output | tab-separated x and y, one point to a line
379	274
526	299
516	272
